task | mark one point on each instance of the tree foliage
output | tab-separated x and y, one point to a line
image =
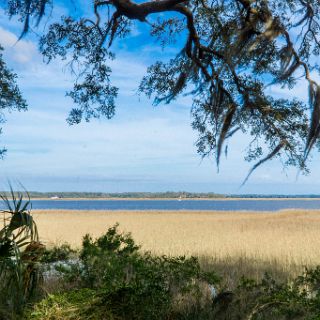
10	95
232	53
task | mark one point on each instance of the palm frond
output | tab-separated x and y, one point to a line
18	234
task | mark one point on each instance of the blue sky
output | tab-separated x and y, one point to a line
143	148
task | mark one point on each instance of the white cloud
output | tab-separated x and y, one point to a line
21	52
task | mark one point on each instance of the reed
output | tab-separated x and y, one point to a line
245	242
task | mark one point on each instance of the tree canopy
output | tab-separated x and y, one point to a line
232	53
10	95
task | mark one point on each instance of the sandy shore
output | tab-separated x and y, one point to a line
290	236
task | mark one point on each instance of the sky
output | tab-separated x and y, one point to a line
143	148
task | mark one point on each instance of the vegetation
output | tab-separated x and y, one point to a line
129	195
58	253
157	195
132	284
263	300
229	55
275	196
20	251
112	278
10	95
286	240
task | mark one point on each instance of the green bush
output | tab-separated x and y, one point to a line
58	253
71	305
135	285
114	280
295	300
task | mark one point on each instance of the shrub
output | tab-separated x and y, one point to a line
20	251
71	305
58	253
267	299
115	280
135	285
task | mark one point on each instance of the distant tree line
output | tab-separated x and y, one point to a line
157	195
133	195
275	196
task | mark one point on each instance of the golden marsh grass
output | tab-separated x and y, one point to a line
286	238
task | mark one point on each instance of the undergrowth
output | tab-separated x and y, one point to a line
111	278
20	252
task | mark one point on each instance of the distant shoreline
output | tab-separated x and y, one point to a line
177	199
152	196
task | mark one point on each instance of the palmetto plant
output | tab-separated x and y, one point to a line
20	251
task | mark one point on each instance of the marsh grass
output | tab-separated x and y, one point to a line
282	243
233	269
115	280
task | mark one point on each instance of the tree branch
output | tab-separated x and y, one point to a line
140	11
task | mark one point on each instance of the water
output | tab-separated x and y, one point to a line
225	205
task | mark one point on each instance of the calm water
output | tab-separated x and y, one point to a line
259	205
